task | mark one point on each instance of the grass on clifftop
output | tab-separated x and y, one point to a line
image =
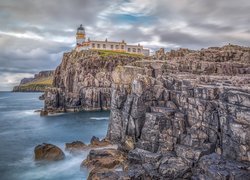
105	53
38	85
44	81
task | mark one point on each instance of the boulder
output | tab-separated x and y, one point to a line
75	147
48	152
96	142
103	164
44	113
103	159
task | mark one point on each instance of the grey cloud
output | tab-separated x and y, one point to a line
178	38
56	12
206	23
27	55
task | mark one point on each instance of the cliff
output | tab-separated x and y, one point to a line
38	83
184	118
83	80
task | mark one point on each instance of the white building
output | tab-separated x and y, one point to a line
83	44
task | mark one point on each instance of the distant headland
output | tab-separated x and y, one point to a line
38	83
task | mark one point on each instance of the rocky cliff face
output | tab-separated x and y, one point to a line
38	83
83	80
188	117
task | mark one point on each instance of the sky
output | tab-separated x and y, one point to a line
34	34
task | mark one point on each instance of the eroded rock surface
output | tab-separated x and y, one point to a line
185	116
185	109
96	142
102	162
83	81
75	147
48	152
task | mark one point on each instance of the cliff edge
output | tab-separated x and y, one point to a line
185	118
83	80
38	83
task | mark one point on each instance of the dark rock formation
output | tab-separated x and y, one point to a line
26	80
83	81
103	160
179	112
44	74
214	166
38	83
48	152
185	116
75	147
96	142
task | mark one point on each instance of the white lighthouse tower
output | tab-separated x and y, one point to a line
81	43
80	36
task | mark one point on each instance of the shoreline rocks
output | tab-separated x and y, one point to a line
48	152
184	110
75	147
105	160
168	117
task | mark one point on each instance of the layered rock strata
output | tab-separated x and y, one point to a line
184	116
182	111
83	81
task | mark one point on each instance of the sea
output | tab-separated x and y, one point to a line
22	129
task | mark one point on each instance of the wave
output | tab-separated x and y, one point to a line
69	168
100	118
20	113
3	98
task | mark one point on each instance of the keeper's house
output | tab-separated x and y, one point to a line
82	44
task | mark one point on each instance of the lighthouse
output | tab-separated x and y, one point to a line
80	36
83	43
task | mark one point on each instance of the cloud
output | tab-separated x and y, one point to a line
9	80
34	34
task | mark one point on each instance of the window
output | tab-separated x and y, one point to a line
112	46
98	45
139	50
122	46
129	50
134	50
117	47
104	46
93	45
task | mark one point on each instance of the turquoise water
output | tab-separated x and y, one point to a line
21	129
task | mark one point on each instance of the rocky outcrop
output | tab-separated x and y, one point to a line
48	152
83	81
214	166
75	147
178	113
96	142
44	74
38	83
101	162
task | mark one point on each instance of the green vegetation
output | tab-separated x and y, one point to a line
37	85
43	81
105	53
